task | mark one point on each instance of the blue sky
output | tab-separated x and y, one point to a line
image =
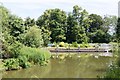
34	8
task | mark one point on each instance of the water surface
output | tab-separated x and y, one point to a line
74	66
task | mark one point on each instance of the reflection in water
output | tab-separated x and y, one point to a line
70	67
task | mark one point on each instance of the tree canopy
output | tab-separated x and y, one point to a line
55	25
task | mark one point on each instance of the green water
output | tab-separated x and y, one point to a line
70	67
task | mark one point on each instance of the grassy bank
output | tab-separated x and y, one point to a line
27	57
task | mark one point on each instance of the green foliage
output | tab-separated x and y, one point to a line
112	73
56	26
83	45
98	31
33	37
16	25
23	62
77	23
36	55
4	12
15	49
16	63
118	30
11	64
100	36
29	23
110	23
74	44
62	44
97	22
11	48
46	36
54	20
27	56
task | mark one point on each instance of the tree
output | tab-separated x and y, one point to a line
29	23
96	23
98	30
15	26
110	23
10	47
54	20
4	14
100	37
118	30
46	36
33	37
76	29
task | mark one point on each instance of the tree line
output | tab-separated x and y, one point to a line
55	25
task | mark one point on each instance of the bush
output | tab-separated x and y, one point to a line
74	44
81	46
112	73
33	37
66	45
61	44
11	64
15	49
12	50
84	45
23	62
16	63
36	55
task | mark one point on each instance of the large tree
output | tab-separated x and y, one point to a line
77	25
10	47
54	20
97	22
98	30
29	23
16	26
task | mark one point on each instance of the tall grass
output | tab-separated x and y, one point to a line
36	55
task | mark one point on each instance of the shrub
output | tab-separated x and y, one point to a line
84	45
62	44
66	45
112	73
16	63
11	64
81	46
33	37
36	55
23	62
74	44
11	50
15	49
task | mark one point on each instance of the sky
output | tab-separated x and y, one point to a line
35	8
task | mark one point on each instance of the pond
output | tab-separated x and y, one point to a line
73	66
